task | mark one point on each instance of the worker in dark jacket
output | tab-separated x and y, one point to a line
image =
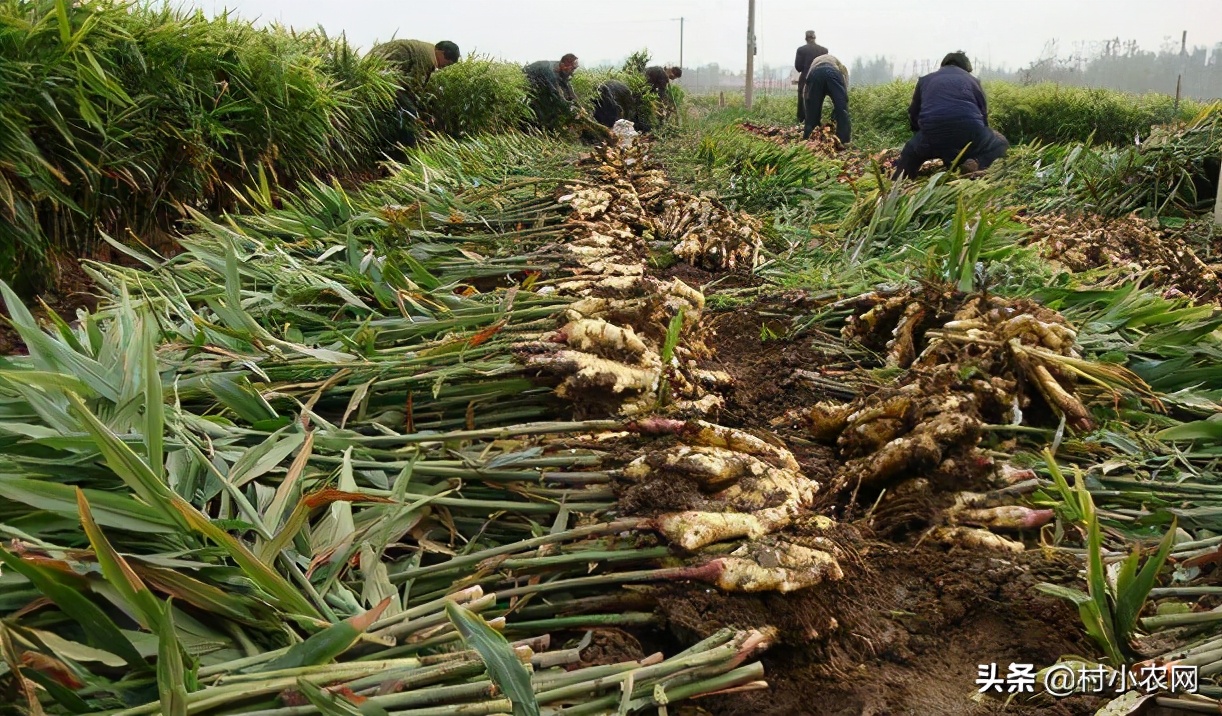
828	77
415	61
659	79
948	114
801	63
552	95
615	102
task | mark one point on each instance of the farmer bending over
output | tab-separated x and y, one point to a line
615	102
659	79
827	77
415	61
552	95
947	114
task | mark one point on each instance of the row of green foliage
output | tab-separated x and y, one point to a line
116	116
479	95
827	227
1045	112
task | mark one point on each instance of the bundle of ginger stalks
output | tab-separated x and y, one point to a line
969	365
323	460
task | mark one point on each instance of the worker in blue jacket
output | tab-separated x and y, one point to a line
948	115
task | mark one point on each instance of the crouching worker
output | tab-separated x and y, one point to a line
615	102
827	77
609	107
948	115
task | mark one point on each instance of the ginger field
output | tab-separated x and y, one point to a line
713	420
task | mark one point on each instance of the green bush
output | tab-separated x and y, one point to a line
1054	113
1045	112
477	95
114	116
880	113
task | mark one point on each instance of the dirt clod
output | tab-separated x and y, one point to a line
903	633
610	646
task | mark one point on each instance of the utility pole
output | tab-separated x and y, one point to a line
750	51
1218	200
1180	78
680	40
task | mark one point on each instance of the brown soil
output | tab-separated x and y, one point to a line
907	627
693	276
610	646
73	289
656	497
697	277
903	633
772	374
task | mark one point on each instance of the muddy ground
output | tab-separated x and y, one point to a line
903	633
73	289
906	629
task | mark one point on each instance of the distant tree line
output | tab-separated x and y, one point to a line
1123	65
1111	64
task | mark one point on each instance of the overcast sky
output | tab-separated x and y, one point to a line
993	32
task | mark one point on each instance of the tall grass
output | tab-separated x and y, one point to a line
115	117
1055	113
1044	112
477	95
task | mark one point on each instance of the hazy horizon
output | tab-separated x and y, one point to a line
1006	34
